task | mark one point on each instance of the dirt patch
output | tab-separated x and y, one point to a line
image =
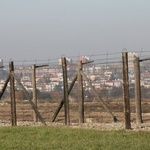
95	115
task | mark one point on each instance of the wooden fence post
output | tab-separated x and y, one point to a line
12	94
34	91
66	97
137	91
34	88
80	94
126	90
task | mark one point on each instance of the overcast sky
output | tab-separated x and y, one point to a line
42	29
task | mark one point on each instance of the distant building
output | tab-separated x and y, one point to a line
68	60
84	59
131	57
1	64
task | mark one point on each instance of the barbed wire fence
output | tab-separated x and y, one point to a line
104	73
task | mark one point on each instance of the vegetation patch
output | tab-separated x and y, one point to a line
61	138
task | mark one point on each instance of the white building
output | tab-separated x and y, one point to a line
131	57
1	64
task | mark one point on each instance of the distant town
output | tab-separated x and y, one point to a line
101	76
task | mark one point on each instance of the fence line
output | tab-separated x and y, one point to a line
104	74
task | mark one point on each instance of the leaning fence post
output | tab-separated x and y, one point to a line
62	101
126	90
98	97
12	94
5	86
80	93
29	98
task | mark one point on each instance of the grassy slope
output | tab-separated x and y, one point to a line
46	138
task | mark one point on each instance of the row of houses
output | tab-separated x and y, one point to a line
101	76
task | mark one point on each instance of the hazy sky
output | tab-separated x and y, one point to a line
39	29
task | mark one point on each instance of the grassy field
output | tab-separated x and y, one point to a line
60	138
